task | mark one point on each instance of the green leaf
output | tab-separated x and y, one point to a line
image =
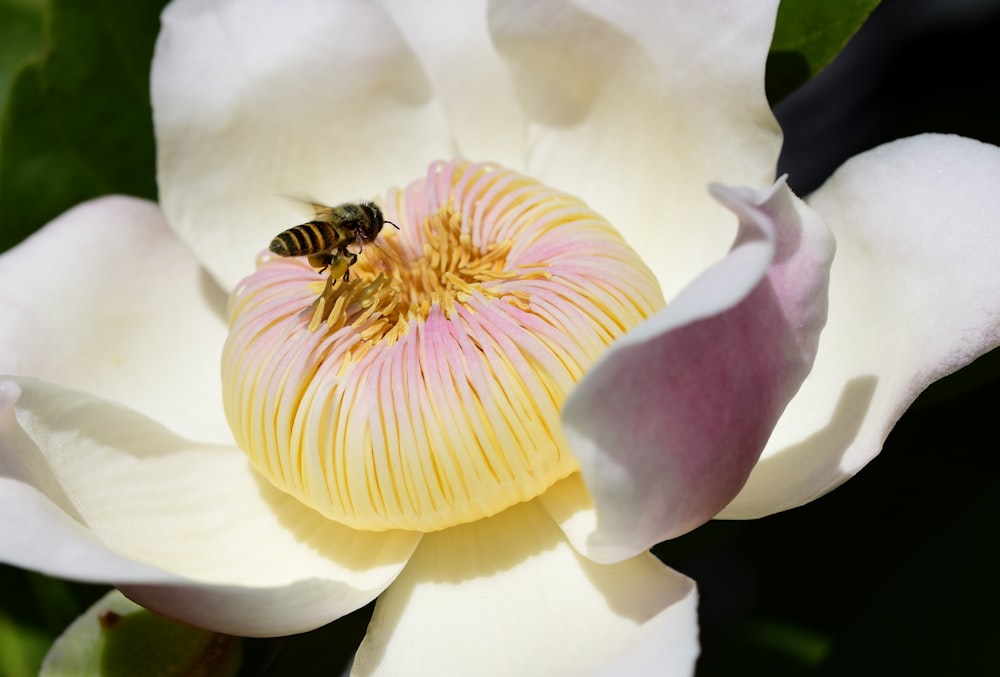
20	36
117	637
807	36
766	648
21	647
35	610
78	122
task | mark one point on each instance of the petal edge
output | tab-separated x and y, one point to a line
670	421
914	296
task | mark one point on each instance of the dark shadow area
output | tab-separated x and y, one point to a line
786	72
820	454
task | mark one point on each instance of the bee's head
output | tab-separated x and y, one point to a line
373	225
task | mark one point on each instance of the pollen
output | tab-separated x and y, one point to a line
425	390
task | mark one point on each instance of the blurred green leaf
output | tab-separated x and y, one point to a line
20	36
21	647
767	648
117	637
78	121
55	602
34	610
938	614
807	36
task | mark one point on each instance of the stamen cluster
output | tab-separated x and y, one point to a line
425	392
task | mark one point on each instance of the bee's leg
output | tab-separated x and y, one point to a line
347	272
321	261
338	267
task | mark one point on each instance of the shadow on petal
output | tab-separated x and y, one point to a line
616	583
814	457
507	594
557	75
216	298
352	549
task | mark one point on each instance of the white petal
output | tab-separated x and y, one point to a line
106	299
914	295
508	596
637	110
93	491
255	100
470	80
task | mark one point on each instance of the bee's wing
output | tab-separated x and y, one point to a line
320	210
380	256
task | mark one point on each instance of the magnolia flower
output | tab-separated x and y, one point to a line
577	351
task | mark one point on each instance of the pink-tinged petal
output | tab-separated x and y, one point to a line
669	422
508	596
106	299
637	109
469	78
256	100
94	491
914	295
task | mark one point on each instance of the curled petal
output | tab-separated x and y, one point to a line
669	422
183	528
637	110
107	300
549	610
256	100
914	295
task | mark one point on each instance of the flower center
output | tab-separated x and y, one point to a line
425	391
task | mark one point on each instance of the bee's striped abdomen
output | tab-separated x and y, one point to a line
309	238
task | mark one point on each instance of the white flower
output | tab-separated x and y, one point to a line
635	112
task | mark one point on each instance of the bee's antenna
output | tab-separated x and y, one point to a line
391	224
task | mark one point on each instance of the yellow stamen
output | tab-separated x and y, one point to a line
425	391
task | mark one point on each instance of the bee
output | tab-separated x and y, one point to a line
334	238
